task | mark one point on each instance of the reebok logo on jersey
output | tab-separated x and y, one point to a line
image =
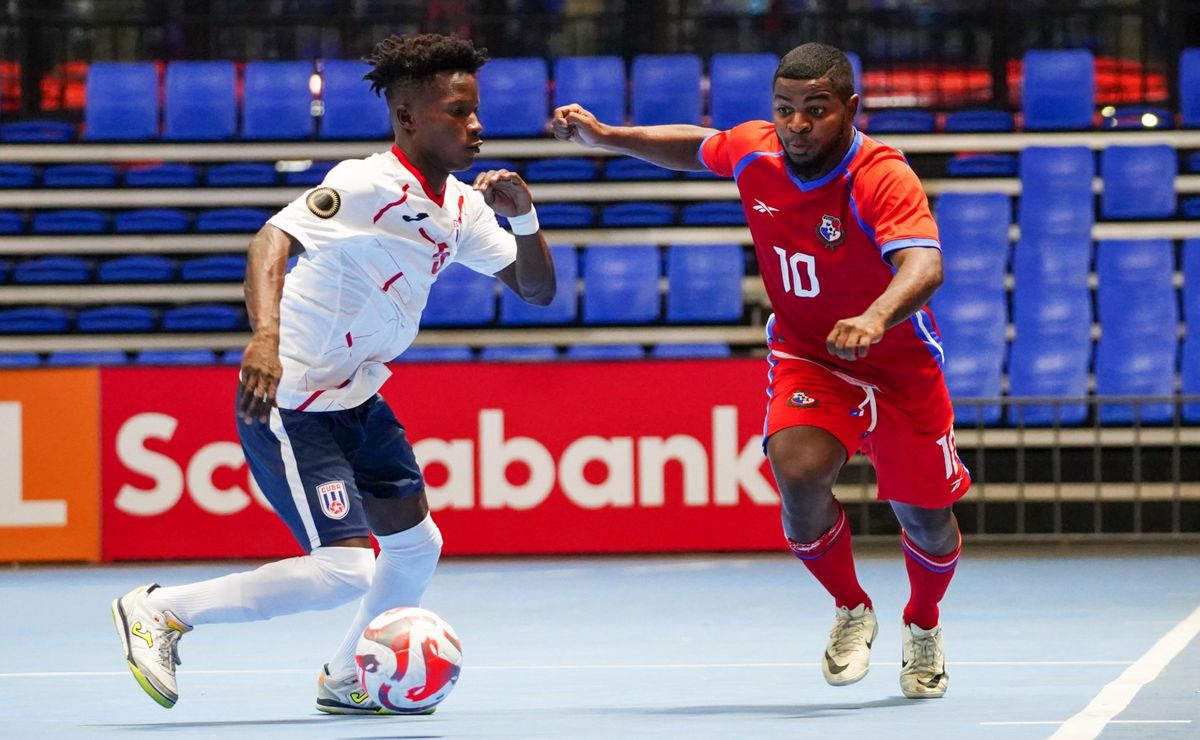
830	231
323	202
764	208
335	504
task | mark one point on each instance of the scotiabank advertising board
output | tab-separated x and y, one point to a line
652	456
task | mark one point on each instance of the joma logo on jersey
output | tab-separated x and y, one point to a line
830	231
334	501
764	208
801	400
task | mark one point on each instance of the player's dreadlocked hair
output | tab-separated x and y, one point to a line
410	59
813	61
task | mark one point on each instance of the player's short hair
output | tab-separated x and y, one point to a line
814	61
409	60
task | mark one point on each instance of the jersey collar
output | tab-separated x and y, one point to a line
438	198
807	185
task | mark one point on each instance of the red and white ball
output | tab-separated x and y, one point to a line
408	659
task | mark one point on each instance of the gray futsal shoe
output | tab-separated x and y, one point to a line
848	655
346	696
151	642
923	667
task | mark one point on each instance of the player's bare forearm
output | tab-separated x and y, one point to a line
266	265
531	276
673	146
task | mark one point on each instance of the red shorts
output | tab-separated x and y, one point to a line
909	439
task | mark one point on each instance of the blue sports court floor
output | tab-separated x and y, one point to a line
1082	642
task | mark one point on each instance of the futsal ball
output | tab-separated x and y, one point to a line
408	659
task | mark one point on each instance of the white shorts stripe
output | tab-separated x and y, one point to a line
295	485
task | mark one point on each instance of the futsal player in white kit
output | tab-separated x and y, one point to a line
321	443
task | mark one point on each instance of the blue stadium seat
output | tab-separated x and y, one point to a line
519	353
1042	308
137	268
1193	162
1190	208
53	269
201	101
1190	262
241	174
176	357
561	169
447	353
1056	190
704	283
973	228
214	269
1139	181
974	371
1190	371
71	221
901	122
982	165
1048	366
310	176
714	213
483	165
461	297
86	358
5	266
666	89
562	310
621	284
125	318
1136	296
630	168
351	110
566	215
232	220
37	132
979	121
512	97
276	101
13	175
204	317
231	357
971	318
152	221
597	83
1135	366
35	320
1189	86
80	176
637	214
20	359
11	222
122	101
740	88
604	352
1058	90
692	350
1136	118
1052	259
163	175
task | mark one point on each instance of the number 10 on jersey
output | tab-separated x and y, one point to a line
802	284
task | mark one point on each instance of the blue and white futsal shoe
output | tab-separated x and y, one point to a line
151	642
848	655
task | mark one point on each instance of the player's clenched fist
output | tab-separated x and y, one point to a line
504	192
851	338
575	123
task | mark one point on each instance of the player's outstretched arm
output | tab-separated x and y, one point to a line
674	146
918	275
531	276
266	265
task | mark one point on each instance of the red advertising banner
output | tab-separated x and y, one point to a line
648	456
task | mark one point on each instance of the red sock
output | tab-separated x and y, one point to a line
929	576
830	559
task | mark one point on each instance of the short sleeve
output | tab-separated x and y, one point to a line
892	204
486	248
715	154
342	206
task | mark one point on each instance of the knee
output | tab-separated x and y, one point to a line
935	531
348	569
803	475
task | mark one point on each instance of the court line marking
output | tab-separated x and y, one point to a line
568	667
1116	696
1111	722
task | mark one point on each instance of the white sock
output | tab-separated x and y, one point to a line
402	572
328	577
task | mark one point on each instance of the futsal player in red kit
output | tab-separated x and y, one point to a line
849	255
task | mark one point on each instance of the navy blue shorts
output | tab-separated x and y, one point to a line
315	467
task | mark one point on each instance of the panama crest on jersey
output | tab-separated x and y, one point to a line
830	231
801	400
335	503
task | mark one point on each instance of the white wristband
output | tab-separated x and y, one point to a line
526	224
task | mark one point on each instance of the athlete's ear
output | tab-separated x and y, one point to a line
405	116
852	106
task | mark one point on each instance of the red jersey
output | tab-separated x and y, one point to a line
823	247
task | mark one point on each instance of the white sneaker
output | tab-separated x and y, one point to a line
151	642
848	654
346	696
923	667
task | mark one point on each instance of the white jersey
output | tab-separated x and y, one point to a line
375	240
